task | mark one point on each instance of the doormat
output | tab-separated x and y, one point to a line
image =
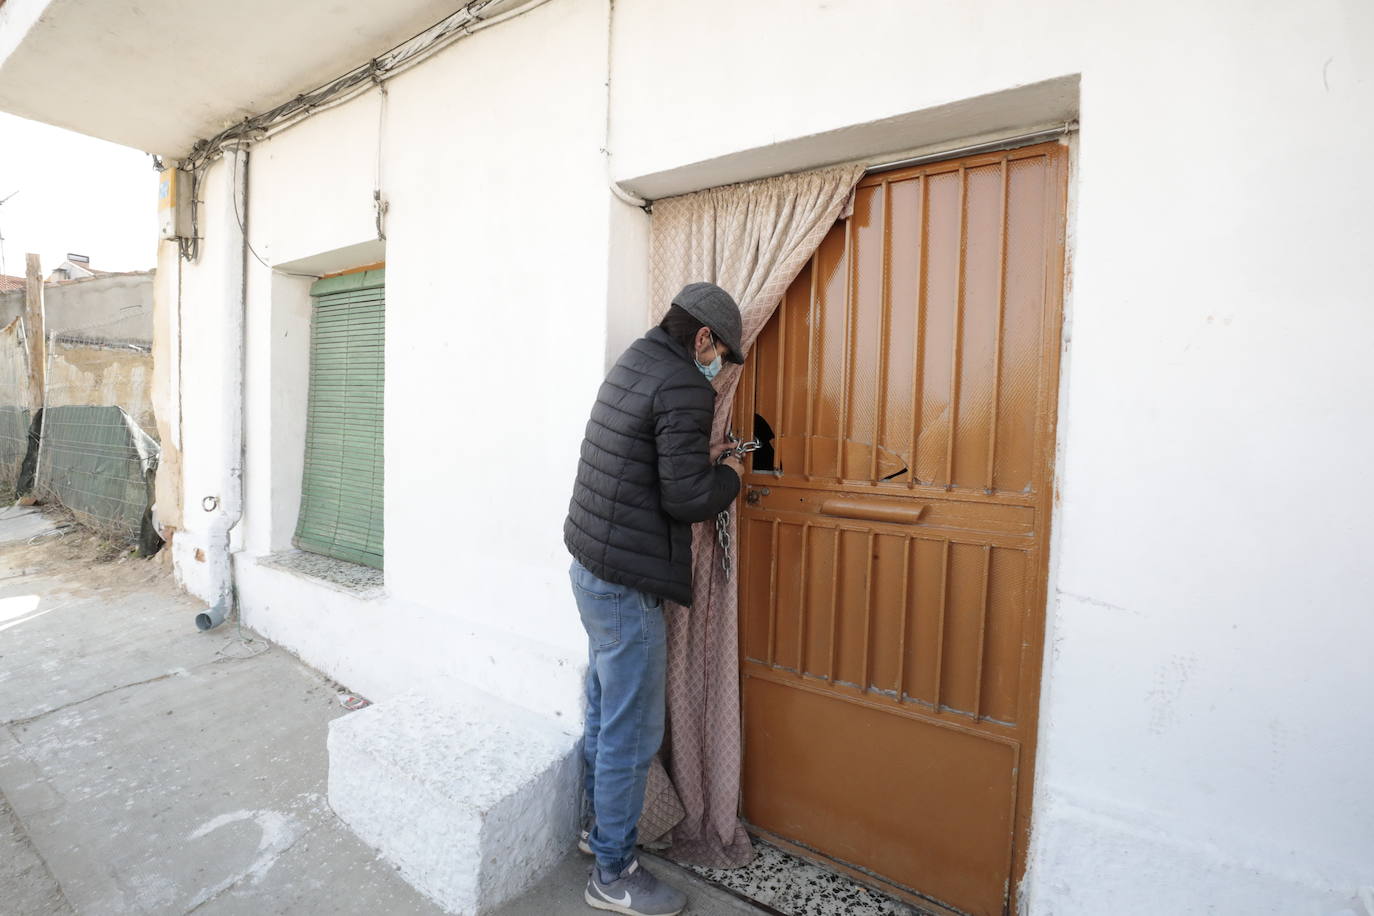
785	884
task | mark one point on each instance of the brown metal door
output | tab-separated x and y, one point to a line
894	534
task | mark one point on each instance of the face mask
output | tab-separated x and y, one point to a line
713	369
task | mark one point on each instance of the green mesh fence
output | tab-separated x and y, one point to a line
14	444
98	463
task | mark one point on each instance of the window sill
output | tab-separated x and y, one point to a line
350	578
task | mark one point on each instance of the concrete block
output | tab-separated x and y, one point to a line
472	799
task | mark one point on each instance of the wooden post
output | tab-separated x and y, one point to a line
35	330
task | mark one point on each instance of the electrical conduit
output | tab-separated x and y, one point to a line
226	506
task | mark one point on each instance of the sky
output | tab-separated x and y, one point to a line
75	194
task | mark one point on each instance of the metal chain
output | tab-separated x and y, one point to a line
727	558
726	543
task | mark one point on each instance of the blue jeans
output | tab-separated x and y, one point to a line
626	686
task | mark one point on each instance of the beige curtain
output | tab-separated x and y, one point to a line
752	240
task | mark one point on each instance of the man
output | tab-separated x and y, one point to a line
648	471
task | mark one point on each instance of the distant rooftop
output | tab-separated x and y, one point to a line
60	276
76	267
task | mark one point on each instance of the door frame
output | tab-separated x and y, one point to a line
1050	398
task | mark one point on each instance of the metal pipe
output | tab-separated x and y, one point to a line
227	506
991	146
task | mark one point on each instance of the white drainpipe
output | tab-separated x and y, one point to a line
229	239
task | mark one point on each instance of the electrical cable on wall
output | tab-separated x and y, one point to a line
189	248
620	193
243	228
379	202
466	21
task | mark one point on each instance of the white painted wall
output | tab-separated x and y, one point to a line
1205	736
496	257
165	390
209	295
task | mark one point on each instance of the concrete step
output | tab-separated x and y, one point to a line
472	799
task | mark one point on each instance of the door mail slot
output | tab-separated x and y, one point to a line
872	511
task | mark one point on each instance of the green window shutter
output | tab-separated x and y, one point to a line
341	492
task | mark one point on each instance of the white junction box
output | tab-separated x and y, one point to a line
174	197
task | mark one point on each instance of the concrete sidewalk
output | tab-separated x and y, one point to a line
151	768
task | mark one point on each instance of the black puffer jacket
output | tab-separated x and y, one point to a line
646	471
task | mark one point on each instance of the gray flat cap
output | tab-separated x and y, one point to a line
716	309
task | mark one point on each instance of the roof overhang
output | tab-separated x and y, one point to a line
158	75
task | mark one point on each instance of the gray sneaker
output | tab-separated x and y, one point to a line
636	892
